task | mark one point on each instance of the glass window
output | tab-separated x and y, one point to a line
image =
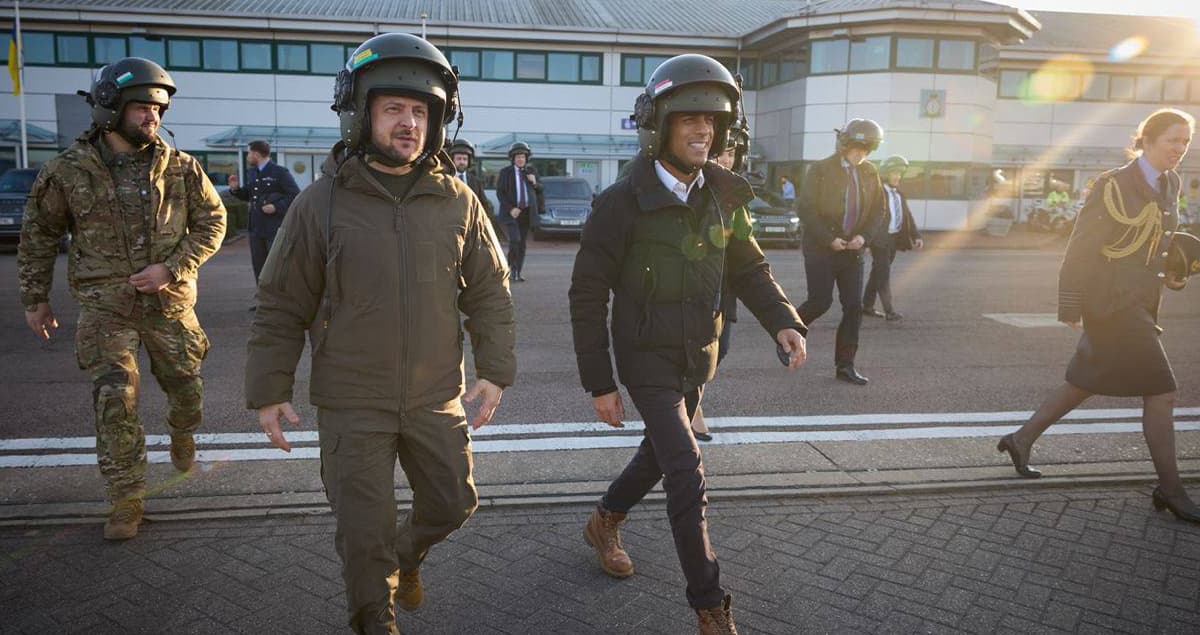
219	165
497	64
326	59
1012	84
531	66
38	48
467	63
292	57
770	71
914	52
830	56
651	64
109	49
1120	87
956	55
1096	88
1175	90
947	182
563	67
791	65
1067	86
871	54
183	53
1149	88
631	69
750	74
256	56
72	49
590	69
155	50
915	184
221	55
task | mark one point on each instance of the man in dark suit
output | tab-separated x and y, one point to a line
518	191
270	190
841	205
899	233
462	153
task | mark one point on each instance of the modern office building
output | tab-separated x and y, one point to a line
963	87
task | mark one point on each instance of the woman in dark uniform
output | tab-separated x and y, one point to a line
1110	285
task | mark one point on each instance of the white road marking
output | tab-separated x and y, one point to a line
1026	320
725	432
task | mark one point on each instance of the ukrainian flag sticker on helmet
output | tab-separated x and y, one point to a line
126	76
858	136
362	58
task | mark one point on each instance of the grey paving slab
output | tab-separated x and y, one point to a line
1086	559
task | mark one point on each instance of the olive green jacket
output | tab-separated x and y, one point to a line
379	285
75	192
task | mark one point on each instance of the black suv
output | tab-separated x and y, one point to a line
568	202
774	220
14	191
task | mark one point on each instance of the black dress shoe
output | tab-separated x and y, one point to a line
893	316
1020	462
847	373
702	436
520	278
1183	509
873	313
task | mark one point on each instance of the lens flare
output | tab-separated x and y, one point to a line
1128	49
1064	78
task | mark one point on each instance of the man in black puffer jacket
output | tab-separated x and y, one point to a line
667	242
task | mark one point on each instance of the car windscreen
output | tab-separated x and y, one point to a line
17	181
763	208
567	189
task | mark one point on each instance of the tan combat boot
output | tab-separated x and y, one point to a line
183	451
603	533
124	519
409	592
717	620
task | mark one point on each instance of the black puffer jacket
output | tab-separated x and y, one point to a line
664	264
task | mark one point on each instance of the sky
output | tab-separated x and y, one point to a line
1189	8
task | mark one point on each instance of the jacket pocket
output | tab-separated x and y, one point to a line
330	299
176	298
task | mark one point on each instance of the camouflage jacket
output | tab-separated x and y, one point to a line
75	192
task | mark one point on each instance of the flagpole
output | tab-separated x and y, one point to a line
21	74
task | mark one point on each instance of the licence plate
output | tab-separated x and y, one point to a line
774	230
570	223
4	220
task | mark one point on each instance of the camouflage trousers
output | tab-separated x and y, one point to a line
106	346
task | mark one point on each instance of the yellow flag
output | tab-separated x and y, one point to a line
14	62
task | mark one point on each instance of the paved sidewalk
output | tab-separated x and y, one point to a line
1083	559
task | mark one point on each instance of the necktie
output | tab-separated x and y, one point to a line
462	176
851	218
521	203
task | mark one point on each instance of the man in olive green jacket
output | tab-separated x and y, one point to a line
143	217
376	260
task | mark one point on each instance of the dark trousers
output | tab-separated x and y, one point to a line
880	280
669	453
518	232
724	340
824	269
259	248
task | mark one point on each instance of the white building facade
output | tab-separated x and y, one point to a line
962	87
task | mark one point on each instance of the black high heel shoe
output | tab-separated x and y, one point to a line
1186	510
1021	463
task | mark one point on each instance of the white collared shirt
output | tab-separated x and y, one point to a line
895	207
680	189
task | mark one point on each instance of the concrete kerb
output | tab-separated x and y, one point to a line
517	496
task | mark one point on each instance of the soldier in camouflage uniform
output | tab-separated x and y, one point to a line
143	218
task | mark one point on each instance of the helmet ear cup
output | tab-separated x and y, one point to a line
343	91
643	112
107	94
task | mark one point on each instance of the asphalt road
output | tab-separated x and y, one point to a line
945	357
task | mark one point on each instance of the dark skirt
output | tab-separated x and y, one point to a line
1121	355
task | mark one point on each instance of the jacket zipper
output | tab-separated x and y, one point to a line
404	306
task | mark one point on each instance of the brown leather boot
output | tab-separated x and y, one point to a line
717	620
409	592
603	533
124	519
183	451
